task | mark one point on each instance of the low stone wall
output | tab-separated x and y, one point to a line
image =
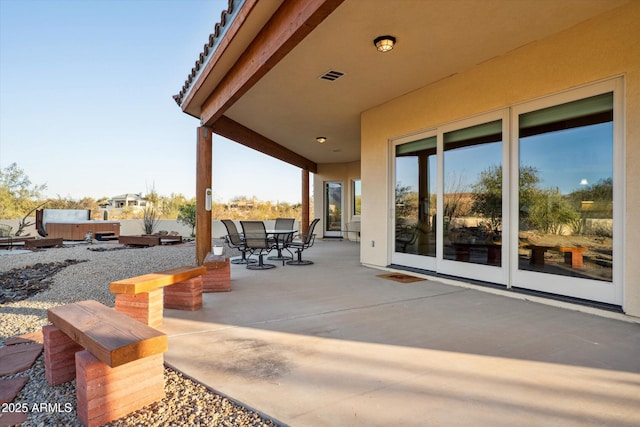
132	227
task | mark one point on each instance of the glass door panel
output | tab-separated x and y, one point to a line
565	198
415	203
333	209
472	199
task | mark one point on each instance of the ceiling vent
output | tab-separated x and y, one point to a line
332	75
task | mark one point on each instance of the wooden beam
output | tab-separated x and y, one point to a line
203	182
291	23
236	132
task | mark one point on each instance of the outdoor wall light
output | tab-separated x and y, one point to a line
384	43
321	139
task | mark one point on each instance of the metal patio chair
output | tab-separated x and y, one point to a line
302	242
234	241
256	243
281	242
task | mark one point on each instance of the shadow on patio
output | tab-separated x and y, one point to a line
332	344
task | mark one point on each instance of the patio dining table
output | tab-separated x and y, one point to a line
280	236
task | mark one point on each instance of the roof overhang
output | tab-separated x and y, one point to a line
261	77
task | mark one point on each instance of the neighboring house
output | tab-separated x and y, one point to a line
530	109
122	201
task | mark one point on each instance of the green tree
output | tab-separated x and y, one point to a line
187	216
487	196
406	202
550	211
17	195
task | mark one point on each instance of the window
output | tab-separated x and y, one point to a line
357	197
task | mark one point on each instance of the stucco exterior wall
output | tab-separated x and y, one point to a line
600	48
335	172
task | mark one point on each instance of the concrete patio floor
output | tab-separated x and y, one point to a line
331	344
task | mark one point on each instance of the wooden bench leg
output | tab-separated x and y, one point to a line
186	295
574	259
537	256
145	307
59	355
494	255
463	252
105	394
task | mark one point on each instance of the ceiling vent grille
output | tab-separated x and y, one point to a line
332	75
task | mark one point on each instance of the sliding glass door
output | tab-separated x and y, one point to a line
567	185
473	203
527	197
448	199
414	233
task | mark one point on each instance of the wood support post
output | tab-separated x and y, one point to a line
203	182
305	202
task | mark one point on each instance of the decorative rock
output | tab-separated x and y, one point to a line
12	418
21	283
25	338
9	389
90	280
18	358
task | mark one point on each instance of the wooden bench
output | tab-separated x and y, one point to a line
573	255
147	240
117	362
494	251
537	254
166	239
143	297
46	242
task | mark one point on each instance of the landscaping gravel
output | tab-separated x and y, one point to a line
186	402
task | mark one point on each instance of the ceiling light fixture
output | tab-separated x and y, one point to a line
321	139
384	43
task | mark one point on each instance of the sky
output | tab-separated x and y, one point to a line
567	160
86	101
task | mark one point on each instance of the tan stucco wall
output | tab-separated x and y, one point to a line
336	172
601	48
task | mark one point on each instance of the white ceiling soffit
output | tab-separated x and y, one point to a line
291	105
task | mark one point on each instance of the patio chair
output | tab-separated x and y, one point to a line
281	242
302	242
256	243
234	240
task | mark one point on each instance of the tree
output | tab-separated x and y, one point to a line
406	202
550	211
17	195
487	197
187	216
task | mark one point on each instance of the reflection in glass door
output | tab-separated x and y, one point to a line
565	199
415	202
333	209
472	197
472	202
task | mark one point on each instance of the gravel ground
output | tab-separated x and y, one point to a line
186	402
